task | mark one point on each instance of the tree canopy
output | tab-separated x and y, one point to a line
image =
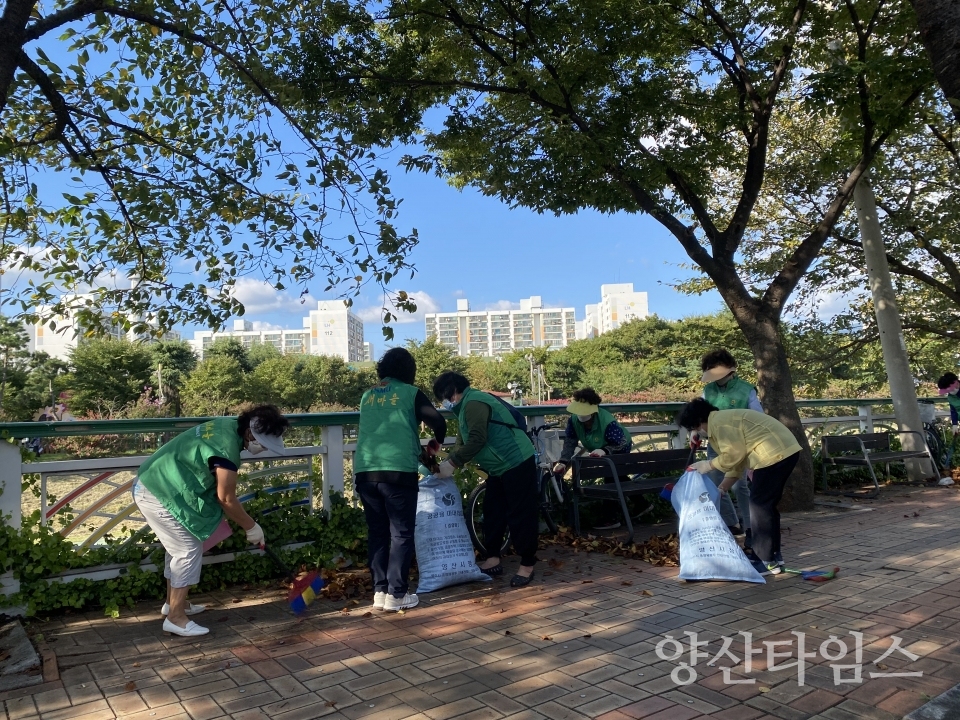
152	156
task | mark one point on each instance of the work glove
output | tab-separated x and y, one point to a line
703	467
559	468
599	452
695	441
955	428
255	535
445	470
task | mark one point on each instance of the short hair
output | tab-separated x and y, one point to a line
946	380
695	413
399	364
587	395
717	358
271	420
449	383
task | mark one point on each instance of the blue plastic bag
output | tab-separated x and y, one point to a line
444	550
707	549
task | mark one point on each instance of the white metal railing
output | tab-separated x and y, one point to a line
100	503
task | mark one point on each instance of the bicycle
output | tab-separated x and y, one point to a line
552	492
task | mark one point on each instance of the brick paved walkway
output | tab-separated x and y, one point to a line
579	643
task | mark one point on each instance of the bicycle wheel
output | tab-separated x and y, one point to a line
937	448
474	518
551	507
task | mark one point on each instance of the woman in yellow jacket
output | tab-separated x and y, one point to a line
747	439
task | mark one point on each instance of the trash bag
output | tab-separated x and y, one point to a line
444	549
707	549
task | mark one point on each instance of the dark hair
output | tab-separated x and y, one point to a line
946	380
695	413
397	363
717	358
449	383
272	421
587	395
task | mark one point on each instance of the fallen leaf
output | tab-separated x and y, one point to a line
507	632
367	614
764	689
130	686
584	582
501	610
626	583
236	600
330	703
647	593
880	665
546	637
136	664
354	602
587	636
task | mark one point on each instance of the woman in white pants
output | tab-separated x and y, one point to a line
185	489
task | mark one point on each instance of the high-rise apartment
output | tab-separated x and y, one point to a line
331	329
618	304
496	332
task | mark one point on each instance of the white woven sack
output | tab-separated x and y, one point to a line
707	549
444	550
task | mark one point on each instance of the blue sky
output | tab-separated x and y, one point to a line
476	247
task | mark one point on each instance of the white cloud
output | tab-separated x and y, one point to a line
260	325
258	298
425	304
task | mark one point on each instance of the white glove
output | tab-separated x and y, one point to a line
445	470
559	468
695	440
703	467
956	429
599	452
255	535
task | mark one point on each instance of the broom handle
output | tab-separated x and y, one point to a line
277	561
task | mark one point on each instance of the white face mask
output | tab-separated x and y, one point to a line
255	448
584	418
447	404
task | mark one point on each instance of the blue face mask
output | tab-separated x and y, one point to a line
447	405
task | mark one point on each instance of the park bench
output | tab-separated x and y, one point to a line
866	450
632	474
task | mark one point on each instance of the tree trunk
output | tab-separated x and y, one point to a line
775	385
939	23
13	22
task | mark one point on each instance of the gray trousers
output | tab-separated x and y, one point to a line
735	505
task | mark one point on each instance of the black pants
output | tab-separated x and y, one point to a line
511	501
391	513
765	493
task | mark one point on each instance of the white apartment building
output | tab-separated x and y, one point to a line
368	355
495	332
331	329
59	341
618	304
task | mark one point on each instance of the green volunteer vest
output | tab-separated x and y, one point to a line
507	445
596	437
954	402
178	474
735	395
389	434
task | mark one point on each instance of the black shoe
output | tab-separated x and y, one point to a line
735	530
494	571
519	581
748	543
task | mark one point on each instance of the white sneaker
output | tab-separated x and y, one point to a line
378	599
191	609
393	604
191	630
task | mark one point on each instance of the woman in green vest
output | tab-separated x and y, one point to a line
597	431
185	488
386	460
490	437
